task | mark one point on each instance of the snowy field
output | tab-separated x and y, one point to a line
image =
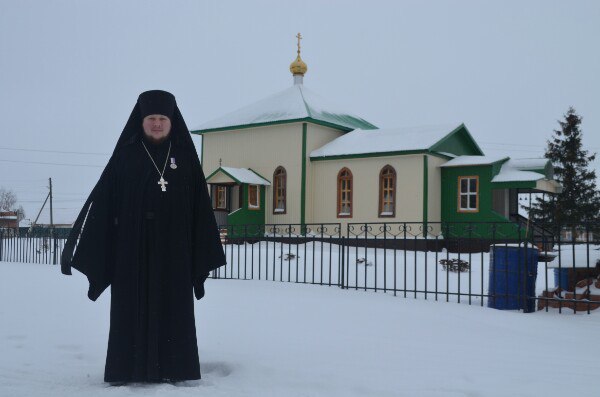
264	338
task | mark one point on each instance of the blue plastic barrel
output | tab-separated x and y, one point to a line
561	278
513	272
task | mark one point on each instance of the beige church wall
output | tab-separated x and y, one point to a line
316	137
365	172
263	149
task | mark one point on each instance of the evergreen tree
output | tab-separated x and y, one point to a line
579	200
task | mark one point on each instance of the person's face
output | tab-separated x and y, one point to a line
156	127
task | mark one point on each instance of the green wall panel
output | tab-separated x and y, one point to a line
484	223
238	220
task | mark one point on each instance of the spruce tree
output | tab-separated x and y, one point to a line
579	200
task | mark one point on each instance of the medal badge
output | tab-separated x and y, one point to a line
173	165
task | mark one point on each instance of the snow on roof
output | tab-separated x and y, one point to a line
462	161
451	155
516	170
8	217
362	141
245	175
295	102
530	164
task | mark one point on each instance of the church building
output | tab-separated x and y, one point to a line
296	158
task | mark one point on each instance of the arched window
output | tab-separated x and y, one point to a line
279	190
387	192
344	193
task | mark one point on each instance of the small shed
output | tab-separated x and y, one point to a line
238	197
9	220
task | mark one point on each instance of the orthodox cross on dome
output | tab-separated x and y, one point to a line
298	67
299	38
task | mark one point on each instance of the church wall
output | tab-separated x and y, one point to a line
316	137
365	172
263	149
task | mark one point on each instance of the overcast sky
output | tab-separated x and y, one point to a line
71	71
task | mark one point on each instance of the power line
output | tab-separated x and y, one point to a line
43	163
25	180
54	151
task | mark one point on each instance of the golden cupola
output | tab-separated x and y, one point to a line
298	67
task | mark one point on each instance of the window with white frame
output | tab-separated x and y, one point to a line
468	193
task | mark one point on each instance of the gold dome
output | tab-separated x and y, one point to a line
298	67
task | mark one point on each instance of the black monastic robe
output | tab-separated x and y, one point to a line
155	250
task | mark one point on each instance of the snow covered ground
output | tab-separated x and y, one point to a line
265	338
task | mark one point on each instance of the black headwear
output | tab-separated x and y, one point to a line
156	102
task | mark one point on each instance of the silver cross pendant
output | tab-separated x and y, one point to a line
162	184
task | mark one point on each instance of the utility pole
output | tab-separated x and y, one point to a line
49	196
51	213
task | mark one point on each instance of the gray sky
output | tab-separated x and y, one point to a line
71	71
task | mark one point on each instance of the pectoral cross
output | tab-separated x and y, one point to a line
162	184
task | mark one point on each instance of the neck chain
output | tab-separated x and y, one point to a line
162	181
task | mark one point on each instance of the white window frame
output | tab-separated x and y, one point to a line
468	193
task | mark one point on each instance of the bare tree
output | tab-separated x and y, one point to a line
8	199
8	202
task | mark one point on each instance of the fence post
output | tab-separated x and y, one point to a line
342	264
53	245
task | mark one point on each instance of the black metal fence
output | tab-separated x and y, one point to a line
500	265
39	247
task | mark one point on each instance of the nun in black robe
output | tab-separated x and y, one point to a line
154	248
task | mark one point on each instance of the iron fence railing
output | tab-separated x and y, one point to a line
501	265
31	248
